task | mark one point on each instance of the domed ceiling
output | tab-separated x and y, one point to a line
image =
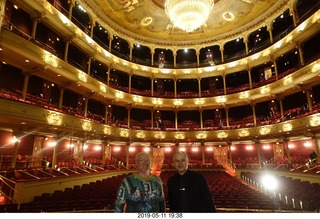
147	21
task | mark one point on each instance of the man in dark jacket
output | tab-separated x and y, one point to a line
188	190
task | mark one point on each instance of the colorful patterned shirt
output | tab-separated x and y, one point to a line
137	194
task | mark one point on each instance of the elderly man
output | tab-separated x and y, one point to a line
141	191
188	190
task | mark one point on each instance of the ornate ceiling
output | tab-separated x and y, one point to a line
146	20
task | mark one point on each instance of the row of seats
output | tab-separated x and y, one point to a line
300	195
228	191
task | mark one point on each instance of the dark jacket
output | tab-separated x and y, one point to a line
190	193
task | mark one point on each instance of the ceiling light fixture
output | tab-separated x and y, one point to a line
188	15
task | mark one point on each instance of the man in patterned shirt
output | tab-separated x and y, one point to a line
141	191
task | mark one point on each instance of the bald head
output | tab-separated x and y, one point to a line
180	161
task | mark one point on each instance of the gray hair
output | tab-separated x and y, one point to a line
138	155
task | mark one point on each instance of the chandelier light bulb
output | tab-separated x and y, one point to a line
188	15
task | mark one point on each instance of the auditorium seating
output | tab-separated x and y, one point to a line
229	192
296	194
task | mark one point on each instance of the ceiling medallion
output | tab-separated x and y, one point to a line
188	15
146	21
228	16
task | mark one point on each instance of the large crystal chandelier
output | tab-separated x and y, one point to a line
188	15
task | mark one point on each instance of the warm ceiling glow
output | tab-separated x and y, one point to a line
182	149
188	15
117	149
167	149
146	149
132	149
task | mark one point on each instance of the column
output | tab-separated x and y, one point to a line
83	141
152	88
175	87
72	3
317	147
106	115
309	99
198	58
199	86
224	84
222	55
176	119
152	114
174	59
246	45
281	107
108	77
293	12
227	115
128	113
230	152
130	80
254	114
250	77
286	145
127	154
86	107
269	28
203	153
55	153
300	54
275	68
66	50
89	66
16	137
25	86
61	98
201	118
152	56
110	43
93	24
130	55
34	27
2	12
259	153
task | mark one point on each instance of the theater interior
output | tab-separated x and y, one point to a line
87	84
